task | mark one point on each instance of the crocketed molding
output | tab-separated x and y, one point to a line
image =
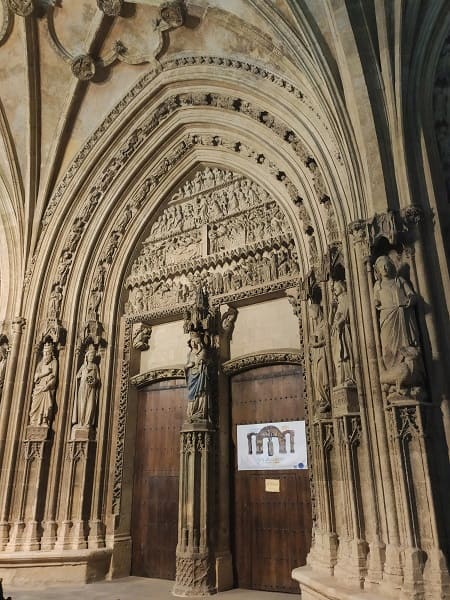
155	375
262	359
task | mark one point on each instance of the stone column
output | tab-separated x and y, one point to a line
195	574
385	558
195	555
9	424
80	455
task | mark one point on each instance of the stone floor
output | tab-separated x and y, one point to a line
129	588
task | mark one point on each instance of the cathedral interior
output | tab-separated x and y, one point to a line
224	292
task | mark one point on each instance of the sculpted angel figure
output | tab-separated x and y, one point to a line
197	370
88	383
45	380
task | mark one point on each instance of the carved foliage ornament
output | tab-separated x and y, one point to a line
251	361
22	8
111	8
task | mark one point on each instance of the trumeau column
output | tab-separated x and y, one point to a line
195	556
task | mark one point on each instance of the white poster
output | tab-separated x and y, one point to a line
266	446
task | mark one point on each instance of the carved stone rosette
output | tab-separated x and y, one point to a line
195	575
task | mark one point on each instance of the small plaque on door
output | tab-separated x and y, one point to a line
272	485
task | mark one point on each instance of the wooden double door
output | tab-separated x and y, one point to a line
154	527
272	529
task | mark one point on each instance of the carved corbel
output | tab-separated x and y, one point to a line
228	316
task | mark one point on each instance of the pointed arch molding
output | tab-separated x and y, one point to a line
318	200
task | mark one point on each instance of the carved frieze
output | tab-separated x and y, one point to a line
259	359
154	375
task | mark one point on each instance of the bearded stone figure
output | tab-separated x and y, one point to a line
319	358
341	340
88	377
45	381
399	334
198	379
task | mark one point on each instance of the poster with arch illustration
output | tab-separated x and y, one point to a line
271	446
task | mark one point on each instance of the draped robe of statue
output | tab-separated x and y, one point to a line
45	379
341	340
85	406
394	299
198	379
319	359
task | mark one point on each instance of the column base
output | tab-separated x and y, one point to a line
49	538
4	535
193	576
351	565
323	554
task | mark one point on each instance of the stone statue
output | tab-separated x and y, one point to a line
4	348
319	359
197	370
85	406
399	334
341	340
45	381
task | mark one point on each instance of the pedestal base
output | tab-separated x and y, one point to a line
37	568
193	576
317	586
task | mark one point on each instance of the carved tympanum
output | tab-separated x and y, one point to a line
45	382
219	227
399	333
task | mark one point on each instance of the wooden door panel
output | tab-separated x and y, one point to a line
161	410
272	531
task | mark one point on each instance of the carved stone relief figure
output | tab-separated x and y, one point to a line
141	336
88	384
341	340
45	382
319	365
399	334
198	378
4	350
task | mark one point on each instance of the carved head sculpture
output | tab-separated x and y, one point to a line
47	352
385	268
339	287
91	354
